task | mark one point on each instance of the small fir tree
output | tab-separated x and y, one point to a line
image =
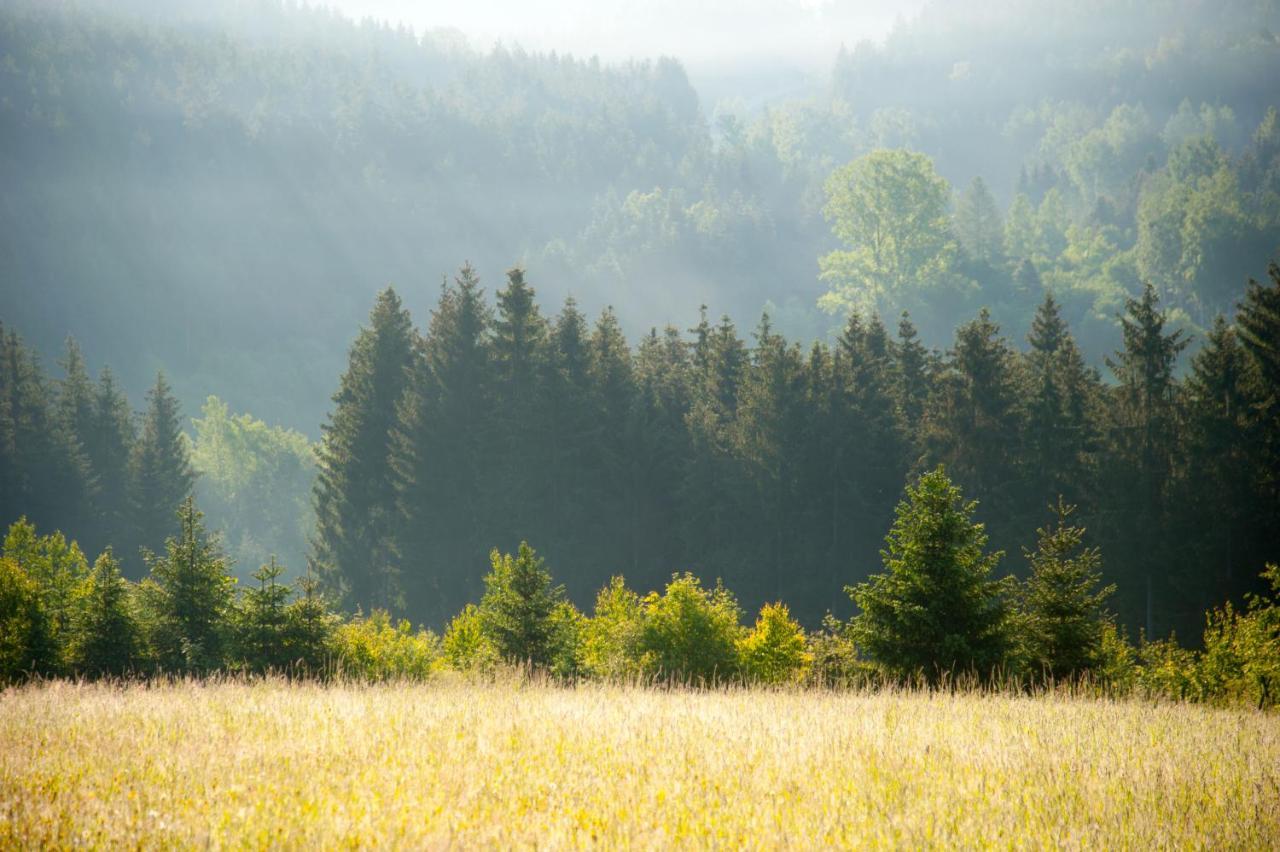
517	606
935	610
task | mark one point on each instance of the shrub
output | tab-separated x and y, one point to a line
26	643
835	660
466	647
58	568
612	637
375	648
1167	669
690	634
774	651
1241	657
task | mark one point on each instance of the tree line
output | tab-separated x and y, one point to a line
777	468
935	615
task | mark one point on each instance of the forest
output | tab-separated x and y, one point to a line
255	172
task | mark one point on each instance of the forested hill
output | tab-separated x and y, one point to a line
218	188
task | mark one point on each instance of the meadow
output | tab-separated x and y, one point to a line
453	764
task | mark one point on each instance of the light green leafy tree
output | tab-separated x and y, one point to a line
890	209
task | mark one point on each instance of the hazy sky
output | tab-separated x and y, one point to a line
709	36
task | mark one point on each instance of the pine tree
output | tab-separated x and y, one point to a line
935	611
516	610
437	451
160	471
1144	441
355	491
105	639
188	599
263	621
1063	606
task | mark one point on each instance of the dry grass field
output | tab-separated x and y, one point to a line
455	765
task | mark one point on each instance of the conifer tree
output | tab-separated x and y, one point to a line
1222	503
516	610
355	492
935	610
1144	434
263	620
42	474
613	474
161	475
438	452
309	626
574	431
519	425
974	419
109	448
1258	322
104	636
75	421
911	377
1063	604
978	226
1062	409
188	599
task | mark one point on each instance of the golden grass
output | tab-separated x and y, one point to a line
450	764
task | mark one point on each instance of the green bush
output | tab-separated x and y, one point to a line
690	634
375	648
466	647
26	643
774	651
612	637
1241	658
1167	669
835	660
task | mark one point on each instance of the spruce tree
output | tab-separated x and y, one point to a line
355	491
1062	410
612	474
189	598
1144	438
309	627
263	620
516	610
75	421
935	611
911	379
978	225
1258	322
974	419
1221	503
518	429
438	452
574	430
109	448
42	473
161	477
1063	604
105	639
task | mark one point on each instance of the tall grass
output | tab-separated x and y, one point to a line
513	764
